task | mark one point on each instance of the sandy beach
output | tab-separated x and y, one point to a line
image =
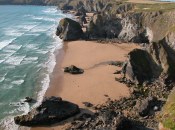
98	79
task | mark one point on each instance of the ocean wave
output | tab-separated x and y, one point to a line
13	47
8	123
30	58
1	61
18	82
32	46
51	11
2	78
13	32
5	86
39	29
32	34
44	18
41	51
15	60
6	43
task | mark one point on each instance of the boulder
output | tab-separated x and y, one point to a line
148	106
87	104
29	100
69	29
52	110
73	70
140	67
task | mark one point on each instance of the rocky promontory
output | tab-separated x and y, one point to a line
69	29
52	110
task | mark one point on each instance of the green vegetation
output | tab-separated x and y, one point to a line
155	7
168	118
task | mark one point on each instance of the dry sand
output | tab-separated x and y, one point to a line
98	79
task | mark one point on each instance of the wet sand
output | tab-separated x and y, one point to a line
98	79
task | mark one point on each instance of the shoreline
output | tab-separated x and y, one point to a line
98	79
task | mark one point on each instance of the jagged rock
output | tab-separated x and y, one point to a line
107	116
73	70
29	100
163	53
81	12
117	72
52	110
147	106
116	63
82	20
88	104
141	66
69	30
102	26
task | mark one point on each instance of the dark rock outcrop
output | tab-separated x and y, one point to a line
141	67
148	106
164	54
69	30
52	110
29	100
82	20
103	27
73	70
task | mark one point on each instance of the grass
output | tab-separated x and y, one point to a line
155	7
168	116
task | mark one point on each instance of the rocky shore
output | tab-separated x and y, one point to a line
149	71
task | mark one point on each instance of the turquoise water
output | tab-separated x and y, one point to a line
27	45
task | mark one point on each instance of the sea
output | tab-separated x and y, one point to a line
27	57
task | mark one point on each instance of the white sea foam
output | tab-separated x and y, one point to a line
5	86
39	29
50	67
51	10
43	18
30	58
18	82
2	78
9	51
32	34
1	61
13	47
15	60
32	46
41	51
8	122
13	32
6	42
28	27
